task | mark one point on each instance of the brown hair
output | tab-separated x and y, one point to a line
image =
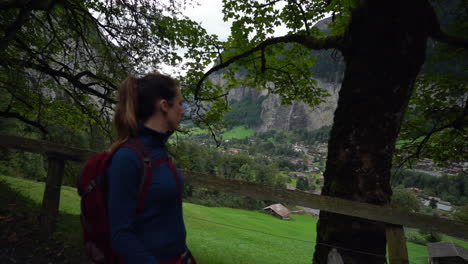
136	102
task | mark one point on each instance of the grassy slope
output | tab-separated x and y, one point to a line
220	235
238	132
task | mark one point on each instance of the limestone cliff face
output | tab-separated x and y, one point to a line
299	115
328	71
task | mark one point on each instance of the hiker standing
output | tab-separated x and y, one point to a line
146	221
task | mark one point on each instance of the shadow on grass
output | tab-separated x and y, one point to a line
21	240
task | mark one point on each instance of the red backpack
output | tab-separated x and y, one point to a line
92	187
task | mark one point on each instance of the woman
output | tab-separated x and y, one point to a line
149	109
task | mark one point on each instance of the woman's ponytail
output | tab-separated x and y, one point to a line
125	116
137	98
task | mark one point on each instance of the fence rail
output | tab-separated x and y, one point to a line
394	217
386	214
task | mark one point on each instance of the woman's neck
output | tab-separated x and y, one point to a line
157	123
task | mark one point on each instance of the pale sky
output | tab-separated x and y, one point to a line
210	15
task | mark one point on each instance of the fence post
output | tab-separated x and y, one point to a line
396	242
51	198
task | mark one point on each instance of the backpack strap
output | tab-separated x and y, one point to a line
174	172
143	153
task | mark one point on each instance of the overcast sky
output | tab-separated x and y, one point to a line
209	13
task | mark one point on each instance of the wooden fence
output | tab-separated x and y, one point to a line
394	217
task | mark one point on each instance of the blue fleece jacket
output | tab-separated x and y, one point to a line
158	232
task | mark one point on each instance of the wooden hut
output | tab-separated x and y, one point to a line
278	210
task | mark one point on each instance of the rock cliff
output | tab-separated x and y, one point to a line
328	71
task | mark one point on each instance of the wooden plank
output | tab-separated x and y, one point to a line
44	147
387	214
396	243
51	198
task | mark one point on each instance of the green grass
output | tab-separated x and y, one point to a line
238	132
220	235
192	132
401	142
293	182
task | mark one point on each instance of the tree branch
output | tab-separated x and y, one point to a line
256	5
458	123
86	111
10	32
25	120
303	17
12	93
31	4
307	41
69	77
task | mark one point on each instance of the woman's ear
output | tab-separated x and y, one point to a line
163	105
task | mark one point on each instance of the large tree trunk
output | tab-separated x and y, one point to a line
385	49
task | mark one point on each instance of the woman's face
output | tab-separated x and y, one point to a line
175	112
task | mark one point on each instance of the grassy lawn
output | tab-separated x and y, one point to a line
192	131
238	132
401	142
217	235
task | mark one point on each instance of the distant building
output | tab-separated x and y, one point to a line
447	252
234	151
278	210
295	161
417	191
296	175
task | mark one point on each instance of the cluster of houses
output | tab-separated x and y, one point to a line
297	175
428	166
231	151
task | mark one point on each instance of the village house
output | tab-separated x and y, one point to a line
295	161
298	146
417	191
296	175
234	151
314	169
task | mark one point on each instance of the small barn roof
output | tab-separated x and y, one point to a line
447	249
279	209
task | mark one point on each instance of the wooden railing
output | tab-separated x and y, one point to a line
394	217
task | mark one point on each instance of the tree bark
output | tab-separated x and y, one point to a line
384	51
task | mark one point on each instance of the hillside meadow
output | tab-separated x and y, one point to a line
216	235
